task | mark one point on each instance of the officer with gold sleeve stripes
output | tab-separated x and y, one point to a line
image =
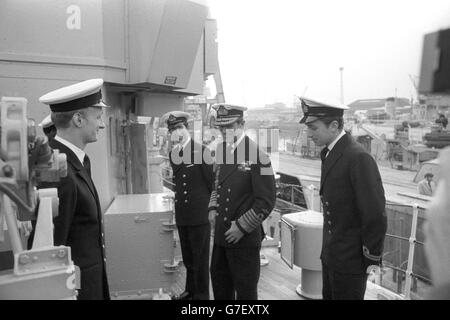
243	196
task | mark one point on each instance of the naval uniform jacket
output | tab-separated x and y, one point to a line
193	183
79	225
353	208
244	191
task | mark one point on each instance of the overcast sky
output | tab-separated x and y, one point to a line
271	50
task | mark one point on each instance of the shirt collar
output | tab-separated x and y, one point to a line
331	145
185	143
78	152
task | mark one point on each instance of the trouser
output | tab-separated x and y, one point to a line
342	286
235	273
194	241
94	283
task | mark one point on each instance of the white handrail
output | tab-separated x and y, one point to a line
311	188
412	244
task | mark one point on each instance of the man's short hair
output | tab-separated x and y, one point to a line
62	119
429	174
329	120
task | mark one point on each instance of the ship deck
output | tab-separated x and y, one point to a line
277	281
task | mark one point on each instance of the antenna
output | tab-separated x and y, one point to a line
304	91
414	83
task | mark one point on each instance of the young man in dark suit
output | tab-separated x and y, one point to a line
353	204
192	177
243	196
77	115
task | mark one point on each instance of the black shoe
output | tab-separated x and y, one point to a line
184	296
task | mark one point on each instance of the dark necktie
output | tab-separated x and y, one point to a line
87	164
178	150
323	154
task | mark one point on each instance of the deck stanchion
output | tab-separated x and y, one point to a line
412	243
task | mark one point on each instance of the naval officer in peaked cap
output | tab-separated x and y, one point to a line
48	127
353	202
192	177
242	198
76	112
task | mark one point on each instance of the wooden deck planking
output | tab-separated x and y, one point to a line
277	281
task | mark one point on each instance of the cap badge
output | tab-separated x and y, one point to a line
172	118
222	111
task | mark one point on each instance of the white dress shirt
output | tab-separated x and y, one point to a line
331	145
238	141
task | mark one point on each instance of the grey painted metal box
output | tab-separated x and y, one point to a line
140	245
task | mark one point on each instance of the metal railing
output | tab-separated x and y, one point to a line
411	277
294	194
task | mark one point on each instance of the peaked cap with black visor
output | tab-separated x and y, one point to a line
314	110
77	96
